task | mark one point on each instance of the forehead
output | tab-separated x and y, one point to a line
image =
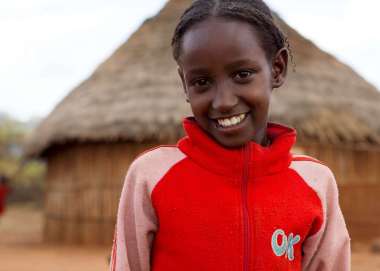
219	39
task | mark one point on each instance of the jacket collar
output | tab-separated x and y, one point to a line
207	153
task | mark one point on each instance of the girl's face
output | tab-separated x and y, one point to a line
228	80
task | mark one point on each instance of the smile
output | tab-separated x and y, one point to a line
232	121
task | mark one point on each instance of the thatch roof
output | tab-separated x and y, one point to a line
136	95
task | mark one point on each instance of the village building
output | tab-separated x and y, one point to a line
134	101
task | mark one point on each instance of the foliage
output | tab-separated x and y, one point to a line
23	174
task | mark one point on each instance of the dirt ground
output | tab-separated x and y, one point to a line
21	248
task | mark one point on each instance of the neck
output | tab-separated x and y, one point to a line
261	137
266	141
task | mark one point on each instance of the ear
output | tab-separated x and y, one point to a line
280	68
182	76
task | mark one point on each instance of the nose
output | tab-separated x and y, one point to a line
224	99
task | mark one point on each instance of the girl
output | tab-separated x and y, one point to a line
4	191
230	196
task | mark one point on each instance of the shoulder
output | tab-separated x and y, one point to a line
304	158
310	167
152	165
316	175
162	156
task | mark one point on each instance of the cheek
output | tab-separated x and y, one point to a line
259	103
199	103
265	100
259	97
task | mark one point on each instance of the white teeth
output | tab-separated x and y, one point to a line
231	121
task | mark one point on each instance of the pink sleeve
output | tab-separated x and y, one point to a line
329	248
136	219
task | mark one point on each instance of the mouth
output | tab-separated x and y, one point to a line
232	121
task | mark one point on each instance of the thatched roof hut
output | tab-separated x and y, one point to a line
135	96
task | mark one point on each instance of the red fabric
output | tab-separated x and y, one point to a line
4	190
218	208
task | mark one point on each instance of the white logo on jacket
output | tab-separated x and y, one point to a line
286	246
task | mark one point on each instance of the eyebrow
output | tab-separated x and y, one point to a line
198	71
230	66
241	62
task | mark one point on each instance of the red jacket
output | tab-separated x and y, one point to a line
4	190
198	206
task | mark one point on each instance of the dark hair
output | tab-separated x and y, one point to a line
254	12
3	180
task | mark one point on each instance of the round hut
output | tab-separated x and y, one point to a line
134	100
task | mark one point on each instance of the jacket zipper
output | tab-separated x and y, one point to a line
246	224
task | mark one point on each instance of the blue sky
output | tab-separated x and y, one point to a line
49	46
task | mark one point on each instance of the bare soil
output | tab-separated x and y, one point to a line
22	249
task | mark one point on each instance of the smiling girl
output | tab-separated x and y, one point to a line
230	195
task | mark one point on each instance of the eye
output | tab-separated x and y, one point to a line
200	84
243	75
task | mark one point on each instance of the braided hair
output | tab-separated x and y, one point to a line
254	12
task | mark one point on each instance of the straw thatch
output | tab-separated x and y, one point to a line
136	95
